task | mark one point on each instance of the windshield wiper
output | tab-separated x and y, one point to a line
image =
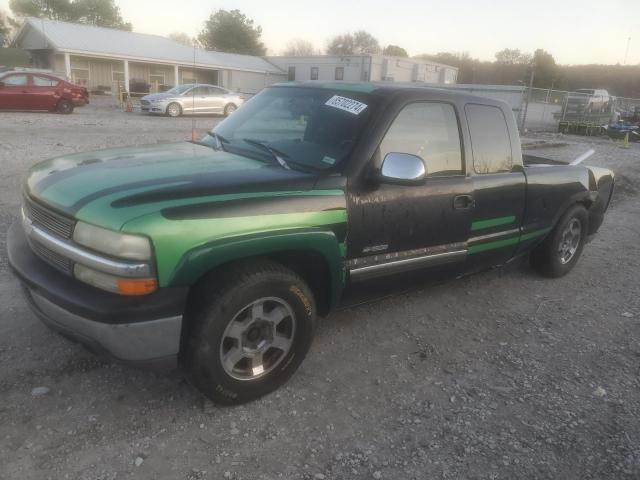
278	156
220	140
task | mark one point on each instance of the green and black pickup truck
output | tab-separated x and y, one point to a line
218	255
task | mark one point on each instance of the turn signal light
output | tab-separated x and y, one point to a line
137	286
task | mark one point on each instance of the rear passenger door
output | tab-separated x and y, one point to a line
397	227
43	91
499	186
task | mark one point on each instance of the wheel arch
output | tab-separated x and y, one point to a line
315	255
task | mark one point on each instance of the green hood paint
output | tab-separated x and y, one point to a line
84	185
200	207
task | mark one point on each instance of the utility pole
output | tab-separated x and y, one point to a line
626	53
526	105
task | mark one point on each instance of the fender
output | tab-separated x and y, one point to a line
202	259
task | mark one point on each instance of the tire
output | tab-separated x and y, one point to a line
229	109
559	252
231	352
65	107
174	110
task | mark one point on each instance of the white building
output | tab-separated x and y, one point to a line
105	57
356	68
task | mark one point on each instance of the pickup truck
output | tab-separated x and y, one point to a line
218	255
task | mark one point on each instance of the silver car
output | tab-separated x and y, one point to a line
190	99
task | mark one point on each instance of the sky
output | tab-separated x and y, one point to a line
574	32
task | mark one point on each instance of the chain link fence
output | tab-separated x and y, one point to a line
545	109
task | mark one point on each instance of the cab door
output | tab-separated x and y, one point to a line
394	227
499	186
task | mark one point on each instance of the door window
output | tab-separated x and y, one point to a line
16	80
489	139
199	91
430	131
39	81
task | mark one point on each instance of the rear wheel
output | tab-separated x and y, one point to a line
560	251
174	110
249	333
229	109
65	107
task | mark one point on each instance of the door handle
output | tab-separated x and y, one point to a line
463	202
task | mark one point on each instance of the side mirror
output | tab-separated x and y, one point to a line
402	169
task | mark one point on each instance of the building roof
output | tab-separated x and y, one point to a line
111	43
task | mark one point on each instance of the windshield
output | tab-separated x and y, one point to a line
180	89
313	128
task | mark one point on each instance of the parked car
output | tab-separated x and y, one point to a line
588	100
40	91
221	253
192	99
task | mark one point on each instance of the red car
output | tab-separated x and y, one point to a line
39	91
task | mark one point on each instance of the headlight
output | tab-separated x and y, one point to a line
117	244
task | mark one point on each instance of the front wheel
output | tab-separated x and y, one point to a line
249	332
559	252
174	110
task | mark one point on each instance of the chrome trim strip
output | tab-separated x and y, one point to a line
407	264
78	255
489	236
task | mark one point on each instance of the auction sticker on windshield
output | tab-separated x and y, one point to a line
346	104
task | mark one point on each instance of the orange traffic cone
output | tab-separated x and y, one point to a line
194	135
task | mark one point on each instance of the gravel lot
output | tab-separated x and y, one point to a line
502	375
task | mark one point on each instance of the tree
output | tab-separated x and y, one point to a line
182	38
299	48
395	51
513	57
103	13
5	29
52	9
365	43
231	31
359	43
546	70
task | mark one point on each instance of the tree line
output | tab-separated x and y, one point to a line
232	31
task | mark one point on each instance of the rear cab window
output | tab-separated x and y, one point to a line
430	131
490	140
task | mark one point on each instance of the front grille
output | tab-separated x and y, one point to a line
48	220
145	102
52	258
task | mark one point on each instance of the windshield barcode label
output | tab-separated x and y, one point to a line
346	104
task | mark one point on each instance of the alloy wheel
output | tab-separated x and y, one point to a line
258	338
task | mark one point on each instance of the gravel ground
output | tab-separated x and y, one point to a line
501	375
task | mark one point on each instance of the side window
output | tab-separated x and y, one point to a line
199	91
16	80
489	139
429	130
39	81
314	73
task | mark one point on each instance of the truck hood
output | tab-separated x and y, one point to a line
110	187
